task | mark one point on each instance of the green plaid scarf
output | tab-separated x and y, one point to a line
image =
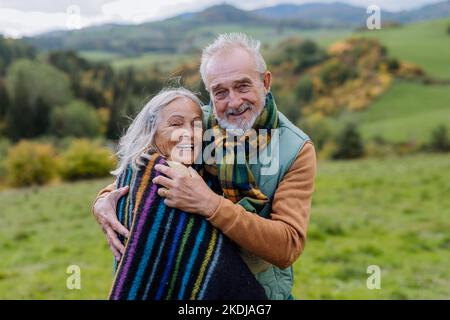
237	180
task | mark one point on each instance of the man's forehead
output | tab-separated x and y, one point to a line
230	78
233	64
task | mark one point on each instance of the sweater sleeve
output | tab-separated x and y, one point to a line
281	239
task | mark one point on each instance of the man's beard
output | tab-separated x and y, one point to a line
240	123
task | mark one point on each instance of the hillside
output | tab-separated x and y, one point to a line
426	44
183	33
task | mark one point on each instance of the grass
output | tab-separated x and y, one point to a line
426	44
408	111
43	231
392	213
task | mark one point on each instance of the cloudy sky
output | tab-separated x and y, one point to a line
25	17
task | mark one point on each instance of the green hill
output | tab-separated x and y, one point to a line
410	111
407	112
426	44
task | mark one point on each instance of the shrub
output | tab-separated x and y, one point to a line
439	139
84	160
29	163
349	143
318	127
334	73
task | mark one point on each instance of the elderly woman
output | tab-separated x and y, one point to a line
171	254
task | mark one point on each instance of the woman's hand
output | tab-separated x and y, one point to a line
187	193
105	213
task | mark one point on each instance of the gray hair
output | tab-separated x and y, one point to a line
139	138
228	41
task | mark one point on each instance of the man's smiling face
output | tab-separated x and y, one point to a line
237	89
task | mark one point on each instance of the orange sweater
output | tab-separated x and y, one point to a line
281	239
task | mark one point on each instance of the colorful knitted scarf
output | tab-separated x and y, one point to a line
171	254
236	179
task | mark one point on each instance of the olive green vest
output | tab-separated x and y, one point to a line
277	282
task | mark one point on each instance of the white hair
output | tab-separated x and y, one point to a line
139	138
226	42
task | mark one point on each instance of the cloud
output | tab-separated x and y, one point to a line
89	7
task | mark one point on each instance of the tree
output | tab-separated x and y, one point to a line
349	143
439	140
77	119
41	80
17	119
300	53
305	89
34	89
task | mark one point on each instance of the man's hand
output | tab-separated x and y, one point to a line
187	193
105	212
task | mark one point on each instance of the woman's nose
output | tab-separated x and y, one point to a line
186	134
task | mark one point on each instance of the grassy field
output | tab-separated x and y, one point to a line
392	213
406	112
426	44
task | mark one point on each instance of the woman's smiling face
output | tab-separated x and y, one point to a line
179	131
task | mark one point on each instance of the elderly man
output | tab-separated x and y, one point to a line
273	235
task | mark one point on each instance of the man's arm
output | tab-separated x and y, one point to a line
281	239
104	211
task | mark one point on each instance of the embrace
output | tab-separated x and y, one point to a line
185	229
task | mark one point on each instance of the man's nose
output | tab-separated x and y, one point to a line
234	100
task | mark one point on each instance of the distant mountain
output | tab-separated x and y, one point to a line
428	12
341	14
326	14
184	32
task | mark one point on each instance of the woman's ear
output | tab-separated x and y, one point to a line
267	81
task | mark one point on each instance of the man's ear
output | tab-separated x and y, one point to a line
267	80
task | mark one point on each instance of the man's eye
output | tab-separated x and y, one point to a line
176	124
244	87
220	94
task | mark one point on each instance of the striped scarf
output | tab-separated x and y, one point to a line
171	254
236	179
